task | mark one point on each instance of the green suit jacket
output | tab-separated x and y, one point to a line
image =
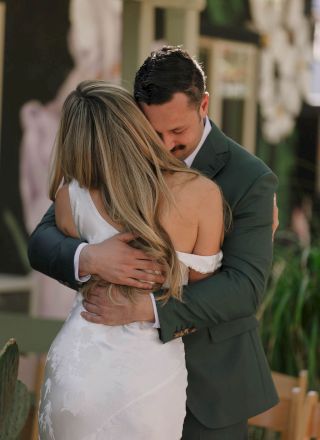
229	378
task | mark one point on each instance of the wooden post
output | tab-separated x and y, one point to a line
318	159
181	27
2	36
137	36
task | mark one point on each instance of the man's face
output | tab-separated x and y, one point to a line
178	122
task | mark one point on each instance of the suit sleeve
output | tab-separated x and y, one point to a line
51	252
237	290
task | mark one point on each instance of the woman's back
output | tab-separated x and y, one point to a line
194	221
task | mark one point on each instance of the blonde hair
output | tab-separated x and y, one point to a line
106	143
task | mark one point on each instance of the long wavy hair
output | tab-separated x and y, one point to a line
106	143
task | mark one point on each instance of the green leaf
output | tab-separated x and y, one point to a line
14	396
18	238
19	411
9	361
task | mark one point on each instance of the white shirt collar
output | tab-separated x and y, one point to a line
207	128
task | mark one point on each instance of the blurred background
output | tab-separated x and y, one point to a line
262	60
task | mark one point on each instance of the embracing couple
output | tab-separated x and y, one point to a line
150	196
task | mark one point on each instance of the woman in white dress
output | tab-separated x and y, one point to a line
122	382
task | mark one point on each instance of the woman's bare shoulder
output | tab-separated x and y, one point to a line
193	193
195	186
205	185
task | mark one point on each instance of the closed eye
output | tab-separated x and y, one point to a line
178	131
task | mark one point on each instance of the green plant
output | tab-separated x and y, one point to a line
14	397
19	240
282	159
222	13
290	313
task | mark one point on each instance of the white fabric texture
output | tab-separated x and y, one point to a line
113	383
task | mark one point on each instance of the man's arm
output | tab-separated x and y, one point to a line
235	292
230	295
51	252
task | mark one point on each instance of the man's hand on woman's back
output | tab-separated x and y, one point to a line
115	261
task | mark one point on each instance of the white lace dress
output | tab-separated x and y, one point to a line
113	383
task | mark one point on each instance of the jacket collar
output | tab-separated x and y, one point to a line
214	153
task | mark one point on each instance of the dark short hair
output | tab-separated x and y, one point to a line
167	71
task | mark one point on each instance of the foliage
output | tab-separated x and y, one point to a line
14	397
282	159
290	314
18	238
226	13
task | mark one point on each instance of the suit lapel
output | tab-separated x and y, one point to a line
214	154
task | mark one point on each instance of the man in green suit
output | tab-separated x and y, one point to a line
229	379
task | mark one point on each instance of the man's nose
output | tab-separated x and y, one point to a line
168	140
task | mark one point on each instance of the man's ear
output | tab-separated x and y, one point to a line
204	105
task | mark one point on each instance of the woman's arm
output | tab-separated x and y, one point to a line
63	213
52	252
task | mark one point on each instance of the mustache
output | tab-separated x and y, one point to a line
177	147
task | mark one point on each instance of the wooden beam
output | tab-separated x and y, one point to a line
181	28
137	37
197	5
